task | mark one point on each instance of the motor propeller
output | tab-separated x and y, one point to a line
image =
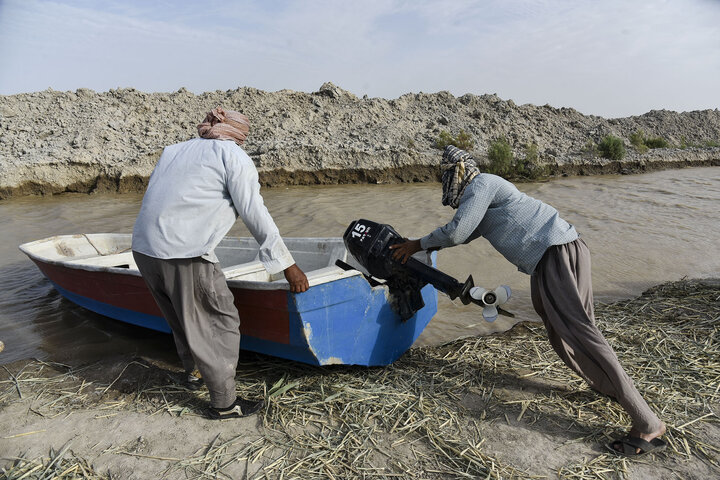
491	300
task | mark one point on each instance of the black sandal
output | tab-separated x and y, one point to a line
629	446
239	409
192	382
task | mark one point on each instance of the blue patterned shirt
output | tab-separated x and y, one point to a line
520	227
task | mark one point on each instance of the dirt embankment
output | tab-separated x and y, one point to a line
84	141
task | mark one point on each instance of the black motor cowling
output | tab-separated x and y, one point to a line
368	242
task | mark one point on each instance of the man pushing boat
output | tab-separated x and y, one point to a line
195	194
531	235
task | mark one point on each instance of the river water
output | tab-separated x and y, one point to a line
641	229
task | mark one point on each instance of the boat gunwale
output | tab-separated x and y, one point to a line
319	276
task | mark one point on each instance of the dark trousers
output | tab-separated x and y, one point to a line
561	290
194	298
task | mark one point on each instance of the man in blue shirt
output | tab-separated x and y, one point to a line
531	235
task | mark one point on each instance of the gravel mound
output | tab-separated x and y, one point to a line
85	141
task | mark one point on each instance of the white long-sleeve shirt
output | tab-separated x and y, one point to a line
195	194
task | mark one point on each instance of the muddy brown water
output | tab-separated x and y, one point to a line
642	230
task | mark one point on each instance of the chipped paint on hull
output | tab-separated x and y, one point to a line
332	361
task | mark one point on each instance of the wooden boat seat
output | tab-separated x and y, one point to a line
314	264
117	260
244	269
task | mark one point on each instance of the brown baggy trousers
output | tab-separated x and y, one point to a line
561	290
195	300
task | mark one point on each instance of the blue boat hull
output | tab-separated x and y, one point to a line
344	321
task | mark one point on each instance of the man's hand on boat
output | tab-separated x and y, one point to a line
405	250
296	278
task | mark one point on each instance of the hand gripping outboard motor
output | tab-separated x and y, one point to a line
368	242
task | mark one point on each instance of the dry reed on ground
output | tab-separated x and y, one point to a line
60	465
425	415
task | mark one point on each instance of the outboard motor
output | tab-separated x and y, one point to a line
368	242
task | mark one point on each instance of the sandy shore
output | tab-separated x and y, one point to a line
501	406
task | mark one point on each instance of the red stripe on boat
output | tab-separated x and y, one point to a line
263	313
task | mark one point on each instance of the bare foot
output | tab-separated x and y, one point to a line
649	436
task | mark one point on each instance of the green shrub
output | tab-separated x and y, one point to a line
531	153
528	166
642	143
444	139
463	140
612	147
637	140
712	143
501	157
657	142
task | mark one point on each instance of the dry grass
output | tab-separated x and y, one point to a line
61	465
423	416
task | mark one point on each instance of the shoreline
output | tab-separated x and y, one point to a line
497	406
413	174
87	141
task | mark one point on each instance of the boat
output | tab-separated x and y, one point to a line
343	318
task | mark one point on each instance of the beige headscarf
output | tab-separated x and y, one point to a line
222	124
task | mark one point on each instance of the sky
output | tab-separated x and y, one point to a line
612	58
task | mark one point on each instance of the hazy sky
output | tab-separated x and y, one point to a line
605	57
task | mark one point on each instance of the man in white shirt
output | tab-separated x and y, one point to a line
196	192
